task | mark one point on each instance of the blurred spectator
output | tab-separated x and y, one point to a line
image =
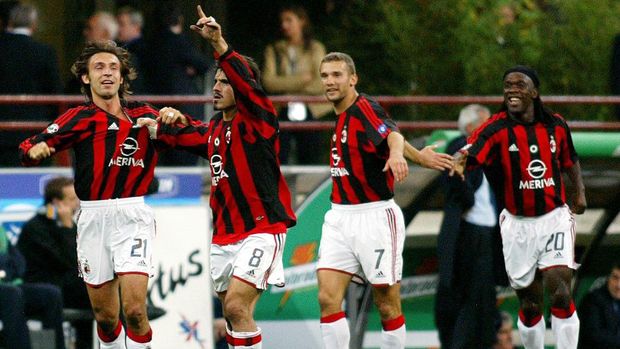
615	72
101	26
48	243
600	314
174	69
26	67
465	309
504	332
292	67
5	9
19	300
130	22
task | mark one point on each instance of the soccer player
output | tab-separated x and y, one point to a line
250	200
364	231
114	163
524	149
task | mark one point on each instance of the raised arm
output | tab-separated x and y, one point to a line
209	29
251	100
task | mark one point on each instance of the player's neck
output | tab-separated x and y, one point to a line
111	106
345	103
229	114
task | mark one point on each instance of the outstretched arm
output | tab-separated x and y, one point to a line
427	157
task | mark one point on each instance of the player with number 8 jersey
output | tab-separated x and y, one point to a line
249	198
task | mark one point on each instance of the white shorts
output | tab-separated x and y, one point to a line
255	260
531	243
365	241
114	237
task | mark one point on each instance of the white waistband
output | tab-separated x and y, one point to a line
112	202
551	213
364	206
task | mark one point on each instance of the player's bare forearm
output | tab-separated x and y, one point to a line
579	202
396	143
427	157
396	162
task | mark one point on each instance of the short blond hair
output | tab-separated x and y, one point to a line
340	57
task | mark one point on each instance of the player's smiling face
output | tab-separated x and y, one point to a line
104	75
519	93
338	81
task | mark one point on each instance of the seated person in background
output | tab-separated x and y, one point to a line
504	332
19	300
600	314
48	243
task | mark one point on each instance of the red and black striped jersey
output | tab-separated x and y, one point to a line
113	157
359	151
248	192
524	162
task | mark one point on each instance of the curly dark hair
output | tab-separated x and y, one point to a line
80	67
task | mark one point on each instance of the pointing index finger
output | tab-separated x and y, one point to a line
201	13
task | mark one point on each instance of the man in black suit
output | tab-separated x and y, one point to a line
465	311
130	22
599	313
175	67
26	67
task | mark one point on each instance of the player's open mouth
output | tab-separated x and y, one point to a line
514	100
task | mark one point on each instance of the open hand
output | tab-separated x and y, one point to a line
433	160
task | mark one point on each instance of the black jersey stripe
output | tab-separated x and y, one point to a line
514	162
539	193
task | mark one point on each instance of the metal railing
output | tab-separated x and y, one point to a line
66	101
